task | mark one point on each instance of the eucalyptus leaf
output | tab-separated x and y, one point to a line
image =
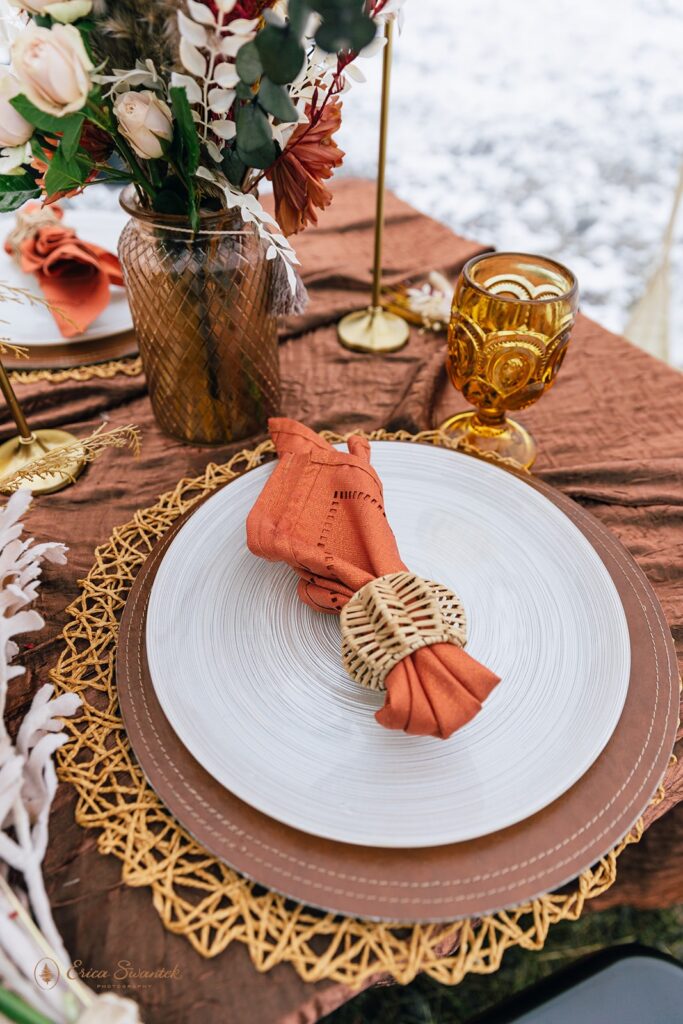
345	25
243	91
275	100
255	144
298	12
334	35
15	190
234	168
248	63
282	55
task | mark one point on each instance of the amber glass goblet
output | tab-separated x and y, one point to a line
511	320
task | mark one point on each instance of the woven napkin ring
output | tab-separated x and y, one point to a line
393	616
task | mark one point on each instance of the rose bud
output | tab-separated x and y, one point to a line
144	120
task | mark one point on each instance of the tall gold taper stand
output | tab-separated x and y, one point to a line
30	445
376	329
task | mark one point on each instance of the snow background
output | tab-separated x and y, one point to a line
551	126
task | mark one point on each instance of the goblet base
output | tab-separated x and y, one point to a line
509	440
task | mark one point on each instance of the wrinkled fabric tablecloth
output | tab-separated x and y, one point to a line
610	435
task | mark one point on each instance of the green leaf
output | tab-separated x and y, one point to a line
336	35
194	212
275	100
243	92
169	201
255	145
281	53
186	149
298	12
186	130
234	168
345	25
248	63
39	119
15	190
72	137
38	150
15	1009
63	175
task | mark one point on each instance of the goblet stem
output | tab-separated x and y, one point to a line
489	421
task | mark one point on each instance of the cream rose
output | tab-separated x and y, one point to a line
65	11
14	129
53	67
145	121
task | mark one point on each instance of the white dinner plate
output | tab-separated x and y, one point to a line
251	681
35	325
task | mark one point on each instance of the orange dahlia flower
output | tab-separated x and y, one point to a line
308	159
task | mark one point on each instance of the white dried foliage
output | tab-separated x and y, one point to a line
28	782
208	44
253	213
121	80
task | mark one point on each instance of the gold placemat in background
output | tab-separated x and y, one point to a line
131	367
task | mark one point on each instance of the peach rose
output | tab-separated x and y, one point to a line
53	68
145	121
14	129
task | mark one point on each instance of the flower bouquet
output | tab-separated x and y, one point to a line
191	106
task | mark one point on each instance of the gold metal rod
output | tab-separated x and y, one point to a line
374	329
13	406
382	165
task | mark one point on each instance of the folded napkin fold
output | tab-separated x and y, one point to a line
322	512
74	276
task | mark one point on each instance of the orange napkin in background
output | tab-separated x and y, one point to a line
322	512
74	276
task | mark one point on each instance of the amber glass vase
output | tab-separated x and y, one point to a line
510	326
202	311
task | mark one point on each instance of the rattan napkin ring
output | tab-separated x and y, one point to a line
394	616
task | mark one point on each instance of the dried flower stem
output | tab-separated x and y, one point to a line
59	460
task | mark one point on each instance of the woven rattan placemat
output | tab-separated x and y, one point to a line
198	896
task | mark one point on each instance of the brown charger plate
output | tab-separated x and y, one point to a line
75	353
441	883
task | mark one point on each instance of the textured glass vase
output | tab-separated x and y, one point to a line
202	310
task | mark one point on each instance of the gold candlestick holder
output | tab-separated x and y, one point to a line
29	445
374	329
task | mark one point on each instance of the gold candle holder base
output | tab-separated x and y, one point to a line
508	440
373	330
16	453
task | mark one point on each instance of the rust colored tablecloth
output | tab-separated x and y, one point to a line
610	434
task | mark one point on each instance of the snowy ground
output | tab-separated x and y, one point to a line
554	127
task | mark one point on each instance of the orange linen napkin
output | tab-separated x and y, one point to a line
74	276
322	512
